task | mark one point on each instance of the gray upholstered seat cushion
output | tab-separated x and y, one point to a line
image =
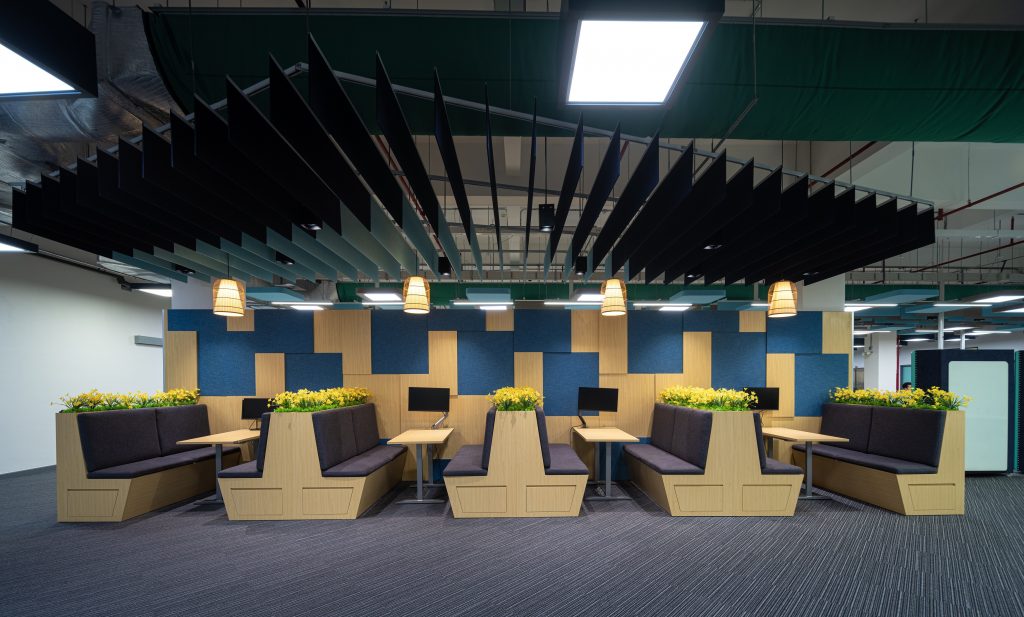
664	418
659	460
542	431
691	435
850	421
159	463
565	461
865	459
908	434
485	449
364	423
365	463
174	424
774	467
245	470
466	462
335	437
113	438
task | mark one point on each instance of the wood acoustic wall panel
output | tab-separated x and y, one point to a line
586	335
781	373
837	337
560	429
753	321
387	398
696	364
468	416
529	370
269	374
500	321
347	333
181	360
246	323
613	346
225	413
636	403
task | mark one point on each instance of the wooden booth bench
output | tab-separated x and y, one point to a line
711	463
321	465
115	465
909	461
515	472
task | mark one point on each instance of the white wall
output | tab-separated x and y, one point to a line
881	366
64	330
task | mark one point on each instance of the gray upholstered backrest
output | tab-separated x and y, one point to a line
662	422
762	456
542	430
908	434
174	424
335	436
261	447
112	438
850	421
691	435
485	453
364	422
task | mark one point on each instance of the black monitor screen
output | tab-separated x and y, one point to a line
429	399
767	398
254	408
598	399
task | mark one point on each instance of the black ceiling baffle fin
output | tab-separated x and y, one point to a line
48	210
79	193
879	231
450	158
573	171
334	108
600	191
392	123
709	188
489	141
291	115
634	195
530	185
774	233
28	216
157	170
789	227
252	133
759	226
674	187
707	236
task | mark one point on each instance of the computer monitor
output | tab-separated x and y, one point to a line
431	399
254	408
767	398
591	401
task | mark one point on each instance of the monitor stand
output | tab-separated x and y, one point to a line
579	415
255	425
440	421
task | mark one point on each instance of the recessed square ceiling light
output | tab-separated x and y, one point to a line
381	296
625	62
21	77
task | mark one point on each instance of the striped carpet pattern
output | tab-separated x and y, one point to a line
617	558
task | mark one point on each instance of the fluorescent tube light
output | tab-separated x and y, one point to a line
982	332
959	305
307	307
482	302
916	339
589	297
999	299
570	303
493	307
163	293
21	77
685	305
298	303
1019	309
947	329
629	62
759	304
866	332
679	308
383	303
381	295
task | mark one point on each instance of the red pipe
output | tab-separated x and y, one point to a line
970	204
1000	247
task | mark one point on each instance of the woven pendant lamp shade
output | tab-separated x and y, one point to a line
614	303
228	298
782	299
416	292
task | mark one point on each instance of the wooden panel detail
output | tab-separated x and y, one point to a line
781	374
636	403
90	503
560	428
837	337
246	323
326	500
586	335
482	500
500	321
701	499
386	395
613	345
181	360
347	333
529	370
696	364
257	501
753	321
468	416
550	498
269	374
225	413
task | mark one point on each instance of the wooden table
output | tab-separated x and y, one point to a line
218	441
421	438
607	436
791	434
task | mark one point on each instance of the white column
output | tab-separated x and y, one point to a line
191	295
881	361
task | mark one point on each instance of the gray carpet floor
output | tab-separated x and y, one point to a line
617	558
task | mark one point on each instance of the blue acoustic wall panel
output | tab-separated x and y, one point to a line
816	375
798	334
313	371
486	361
737	359
655	342
193	320
460	320
564	373
227	364
398	343
711	321
543	330
282	331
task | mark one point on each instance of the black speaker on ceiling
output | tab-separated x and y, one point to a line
546	220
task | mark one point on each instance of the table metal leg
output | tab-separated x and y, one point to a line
608	469
809	476
218	466
604	489
419	480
